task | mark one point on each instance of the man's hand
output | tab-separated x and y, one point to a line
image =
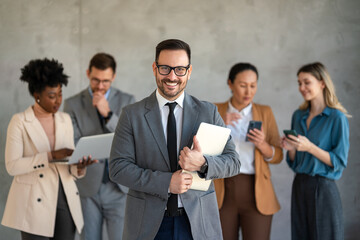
180	182
192	160
100	102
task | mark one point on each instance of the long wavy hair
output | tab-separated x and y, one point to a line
319	71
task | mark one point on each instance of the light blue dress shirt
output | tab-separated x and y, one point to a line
330	132
106	94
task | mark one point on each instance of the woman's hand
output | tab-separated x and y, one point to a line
231	118
287	144
61	153
83	163
300	143
257	137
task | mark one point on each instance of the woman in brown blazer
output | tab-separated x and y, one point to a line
248	201
43	201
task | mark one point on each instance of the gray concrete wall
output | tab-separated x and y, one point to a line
277	36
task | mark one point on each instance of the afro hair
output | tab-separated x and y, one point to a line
42	73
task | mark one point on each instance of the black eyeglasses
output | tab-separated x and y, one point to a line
179	70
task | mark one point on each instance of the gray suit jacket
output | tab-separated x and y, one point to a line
139	160
86	123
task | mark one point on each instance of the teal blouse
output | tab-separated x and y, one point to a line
330	132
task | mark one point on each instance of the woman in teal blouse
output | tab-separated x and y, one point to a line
318	156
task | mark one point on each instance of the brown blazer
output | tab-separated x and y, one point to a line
32	199
265	197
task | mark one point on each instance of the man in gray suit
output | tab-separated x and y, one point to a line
149	134
96	110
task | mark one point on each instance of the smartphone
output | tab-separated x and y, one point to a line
290	132
253	125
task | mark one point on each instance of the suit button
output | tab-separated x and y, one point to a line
77	193
39	199
41	175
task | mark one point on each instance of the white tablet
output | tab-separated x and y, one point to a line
98	146
212	140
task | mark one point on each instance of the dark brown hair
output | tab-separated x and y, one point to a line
102	61
172	44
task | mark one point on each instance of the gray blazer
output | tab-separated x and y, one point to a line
139	160
86	123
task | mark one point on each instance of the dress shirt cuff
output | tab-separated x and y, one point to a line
269	159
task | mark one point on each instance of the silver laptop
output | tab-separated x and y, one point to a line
98	146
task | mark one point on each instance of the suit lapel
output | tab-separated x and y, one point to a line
59	132
255	112
112	104
92	118
153	120
189	122
36	131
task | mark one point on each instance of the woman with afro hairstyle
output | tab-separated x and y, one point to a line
43	201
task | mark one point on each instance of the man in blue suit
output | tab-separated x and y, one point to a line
152	144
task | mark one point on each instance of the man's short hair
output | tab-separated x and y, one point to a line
172	44
103	61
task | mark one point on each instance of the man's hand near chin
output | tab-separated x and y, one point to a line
100	102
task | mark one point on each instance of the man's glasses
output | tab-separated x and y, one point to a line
179	71
97	81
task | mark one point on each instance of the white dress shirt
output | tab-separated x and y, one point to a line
178	112
238	132
245	149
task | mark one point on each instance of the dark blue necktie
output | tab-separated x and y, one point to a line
172	203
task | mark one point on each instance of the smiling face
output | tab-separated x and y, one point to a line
50	98
243	88
310	87
171	86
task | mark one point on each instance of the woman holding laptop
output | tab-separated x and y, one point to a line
43	201
248	201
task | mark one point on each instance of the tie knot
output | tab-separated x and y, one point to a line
171	106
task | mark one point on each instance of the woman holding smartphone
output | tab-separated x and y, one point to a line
318	156
43	201
248	201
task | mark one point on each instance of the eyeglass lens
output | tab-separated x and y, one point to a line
165	70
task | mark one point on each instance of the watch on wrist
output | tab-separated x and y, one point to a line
108	116
204	167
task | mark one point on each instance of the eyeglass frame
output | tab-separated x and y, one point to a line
173	69
104	82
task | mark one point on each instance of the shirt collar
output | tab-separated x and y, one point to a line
106	94
162	101
326	111
244	112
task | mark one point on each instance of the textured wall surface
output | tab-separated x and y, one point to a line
277	36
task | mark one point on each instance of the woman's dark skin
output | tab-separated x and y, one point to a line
50	100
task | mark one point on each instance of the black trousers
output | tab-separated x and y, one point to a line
174	228
316	211
64	224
